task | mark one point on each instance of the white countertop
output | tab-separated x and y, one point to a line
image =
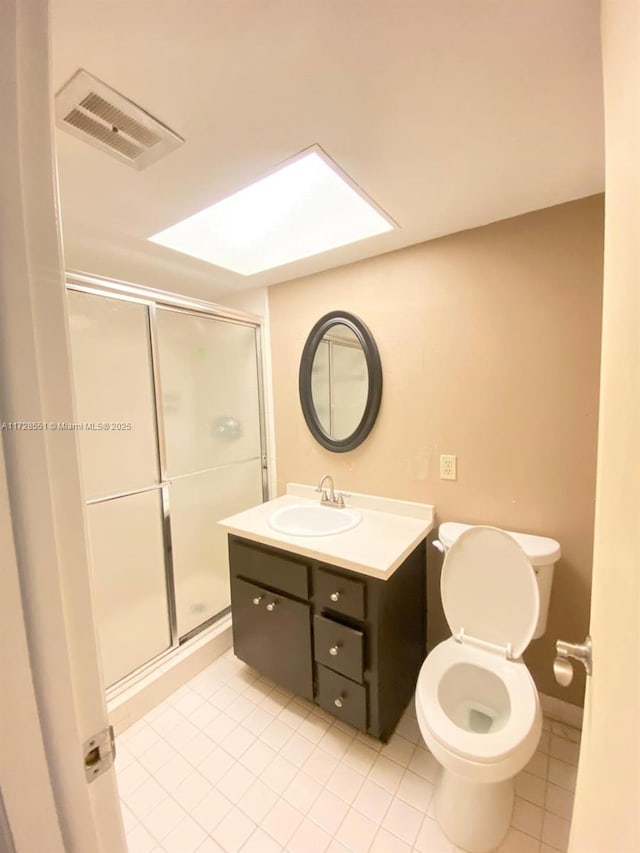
389	531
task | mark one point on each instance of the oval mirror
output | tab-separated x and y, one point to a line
340	381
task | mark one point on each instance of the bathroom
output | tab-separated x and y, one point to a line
487	318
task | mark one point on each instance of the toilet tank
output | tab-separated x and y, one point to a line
543	554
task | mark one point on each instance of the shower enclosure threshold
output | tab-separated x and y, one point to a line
139	693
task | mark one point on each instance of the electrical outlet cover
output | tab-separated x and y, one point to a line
448	467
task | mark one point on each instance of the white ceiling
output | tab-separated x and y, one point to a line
449	113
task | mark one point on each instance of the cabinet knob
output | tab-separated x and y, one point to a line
335	596
338	702
257	599
271	605
334	650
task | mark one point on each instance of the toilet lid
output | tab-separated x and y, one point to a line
489	589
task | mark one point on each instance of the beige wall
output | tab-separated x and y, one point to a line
489	341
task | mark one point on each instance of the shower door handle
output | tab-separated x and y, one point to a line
126	494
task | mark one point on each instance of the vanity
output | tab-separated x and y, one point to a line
328	590
337	618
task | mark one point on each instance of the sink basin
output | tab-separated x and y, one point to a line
314	519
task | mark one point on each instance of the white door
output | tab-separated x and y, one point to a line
607	806
51	680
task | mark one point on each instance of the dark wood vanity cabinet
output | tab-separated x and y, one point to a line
349	642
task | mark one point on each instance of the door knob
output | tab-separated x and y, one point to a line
271	606
257	599
338	702
334	650
562	666
335	596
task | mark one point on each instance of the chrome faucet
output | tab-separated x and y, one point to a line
330	497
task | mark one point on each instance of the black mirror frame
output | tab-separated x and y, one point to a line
374	391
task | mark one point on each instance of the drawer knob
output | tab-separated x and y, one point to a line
338	702
257	599
335	596
334	650
271	606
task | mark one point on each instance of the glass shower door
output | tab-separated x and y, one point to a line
115	400
170	433
208	370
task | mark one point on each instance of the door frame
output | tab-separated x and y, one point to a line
22	758
57	696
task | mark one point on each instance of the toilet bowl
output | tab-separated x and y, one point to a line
476	702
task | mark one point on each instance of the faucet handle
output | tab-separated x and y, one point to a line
340	496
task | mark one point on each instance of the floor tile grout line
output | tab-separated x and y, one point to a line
401	765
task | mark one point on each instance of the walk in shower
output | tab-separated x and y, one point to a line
171	432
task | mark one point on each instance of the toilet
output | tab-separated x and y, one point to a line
476	702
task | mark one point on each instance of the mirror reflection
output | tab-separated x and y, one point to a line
339	382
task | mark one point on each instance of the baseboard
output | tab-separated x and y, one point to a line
175	670
563	712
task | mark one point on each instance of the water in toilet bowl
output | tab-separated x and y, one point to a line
474	716
479	721
474	698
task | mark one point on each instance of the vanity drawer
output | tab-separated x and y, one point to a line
269	568
339	593
342	697
339	647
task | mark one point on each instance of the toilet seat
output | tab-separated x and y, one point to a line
489	591
487	747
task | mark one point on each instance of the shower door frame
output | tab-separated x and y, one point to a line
151	299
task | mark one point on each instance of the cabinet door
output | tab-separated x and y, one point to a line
272	633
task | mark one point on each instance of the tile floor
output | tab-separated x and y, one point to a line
230	762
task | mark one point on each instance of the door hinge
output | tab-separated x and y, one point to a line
99	753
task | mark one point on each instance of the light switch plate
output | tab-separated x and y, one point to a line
448	467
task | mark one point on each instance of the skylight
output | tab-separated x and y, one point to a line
305	207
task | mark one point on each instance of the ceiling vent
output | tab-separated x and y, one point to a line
93	111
